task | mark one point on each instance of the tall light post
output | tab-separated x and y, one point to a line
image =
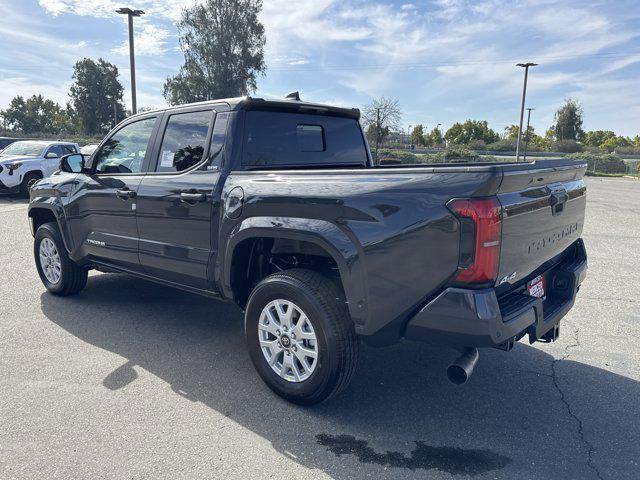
377	132
526	134
132	61
524	94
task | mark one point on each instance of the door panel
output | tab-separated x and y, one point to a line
175	232
102	223
102	210
178	211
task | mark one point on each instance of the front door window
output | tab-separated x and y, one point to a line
125	151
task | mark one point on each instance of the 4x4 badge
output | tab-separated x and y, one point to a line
508	278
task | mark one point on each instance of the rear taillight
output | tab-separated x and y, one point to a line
480	235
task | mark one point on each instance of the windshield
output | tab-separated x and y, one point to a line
32	149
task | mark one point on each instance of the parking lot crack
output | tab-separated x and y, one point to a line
587	444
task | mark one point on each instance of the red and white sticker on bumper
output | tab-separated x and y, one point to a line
535	287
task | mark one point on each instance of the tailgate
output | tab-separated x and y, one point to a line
543	214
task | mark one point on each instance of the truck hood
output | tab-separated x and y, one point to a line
18	158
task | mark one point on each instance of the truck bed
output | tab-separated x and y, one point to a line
391	225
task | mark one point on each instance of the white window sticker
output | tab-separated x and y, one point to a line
166	160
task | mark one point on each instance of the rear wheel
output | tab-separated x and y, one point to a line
59	274
300	336
29	181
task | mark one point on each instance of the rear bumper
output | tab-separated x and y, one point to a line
481	318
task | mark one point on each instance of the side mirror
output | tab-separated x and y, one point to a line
72	163
51	155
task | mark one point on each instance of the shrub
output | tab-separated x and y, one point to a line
477	145
397	157
78	138
608	163
504	145
630	150
459	154
566	146
454	154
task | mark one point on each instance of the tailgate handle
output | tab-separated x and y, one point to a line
557	201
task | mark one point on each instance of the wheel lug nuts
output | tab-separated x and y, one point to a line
278	332
293	335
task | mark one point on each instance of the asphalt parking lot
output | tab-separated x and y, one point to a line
134	380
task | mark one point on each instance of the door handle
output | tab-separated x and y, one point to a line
190	197
125	194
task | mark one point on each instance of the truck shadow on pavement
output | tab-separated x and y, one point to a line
520	416
12	199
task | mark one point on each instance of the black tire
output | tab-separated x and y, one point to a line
28	181
337	343
73	278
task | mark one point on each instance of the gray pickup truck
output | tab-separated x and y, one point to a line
277	206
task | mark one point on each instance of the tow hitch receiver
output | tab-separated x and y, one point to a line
552	335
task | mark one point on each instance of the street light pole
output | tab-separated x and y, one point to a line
524	94
526	134
377	132
132	61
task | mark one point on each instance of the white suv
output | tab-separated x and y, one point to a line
24	163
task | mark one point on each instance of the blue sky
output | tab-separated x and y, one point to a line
445	60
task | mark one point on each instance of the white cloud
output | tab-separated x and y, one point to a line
107	8
149	40
453	55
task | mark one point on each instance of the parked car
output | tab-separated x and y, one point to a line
6	141
277	206
23	163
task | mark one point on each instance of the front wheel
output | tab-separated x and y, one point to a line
59	274
300	337
29	181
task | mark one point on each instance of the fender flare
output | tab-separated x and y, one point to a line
58	213
345	252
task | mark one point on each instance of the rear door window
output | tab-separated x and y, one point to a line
184	141
297	139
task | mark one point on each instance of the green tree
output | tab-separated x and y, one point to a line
381	117
382	134
463	133
611	144
596	138
36	115
96	96
435	138
511	132
568	119
223	45
417	136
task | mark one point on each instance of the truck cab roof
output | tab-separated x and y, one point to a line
258	103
